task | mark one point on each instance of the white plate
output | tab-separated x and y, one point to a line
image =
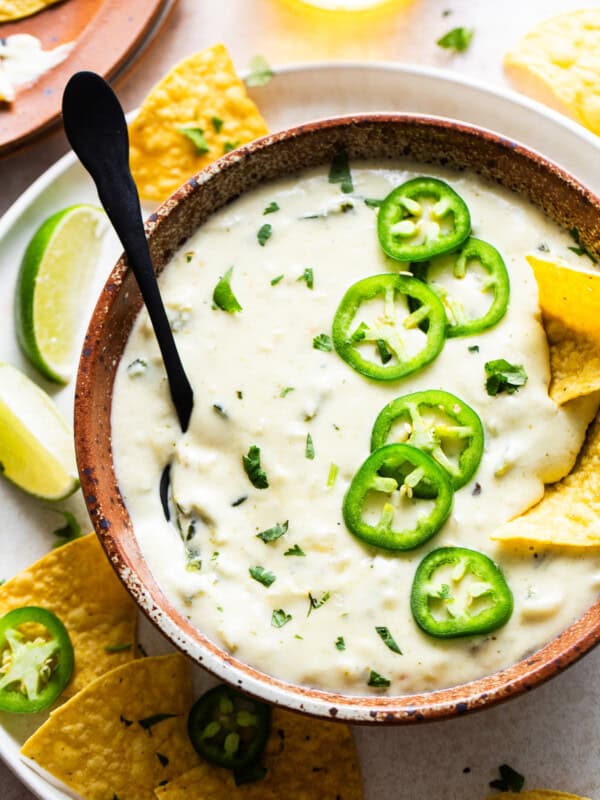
549	734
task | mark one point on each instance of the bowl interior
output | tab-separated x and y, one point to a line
384	136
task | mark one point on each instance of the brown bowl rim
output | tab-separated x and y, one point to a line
560	652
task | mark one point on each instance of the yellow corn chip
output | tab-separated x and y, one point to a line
569	512
305	759
17	9
77	583
557	63
536	794
122	735
202	93
570	303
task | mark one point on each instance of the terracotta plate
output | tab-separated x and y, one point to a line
106	32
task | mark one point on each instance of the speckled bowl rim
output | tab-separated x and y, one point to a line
113	526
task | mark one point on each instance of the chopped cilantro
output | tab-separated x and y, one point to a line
296	550
276	280
323	342
278	530
70	531
261	575
196	136
373	202
217	124
474	348
510	780
137	367
239	395
239	500
458	39
503	377
384	353
308	277
339	172
2	581
543	247
476	490
340	643
271	208
260	72
163	759
256	475
279	618
223	296
387	638
332	476
447	12
313	603
286	391
218	409
580	250
214	556
264	234
229	146
375	679
149	722
117	648
309	450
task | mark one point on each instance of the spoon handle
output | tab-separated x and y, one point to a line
97	130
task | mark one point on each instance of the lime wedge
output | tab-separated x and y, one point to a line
53	287
36	445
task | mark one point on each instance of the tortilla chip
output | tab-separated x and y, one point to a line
122	735
201	92
305	759
569	512
17	9
557	63
536	794
569	300
77	583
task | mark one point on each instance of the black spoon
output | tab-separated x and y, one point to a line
96	129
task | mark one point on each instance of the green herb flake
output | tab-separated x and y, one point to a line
149	722
220	411
308	277
229	146
117	648
474	348
239	500
296	550
286	391
503	377
309	450
339	172
223	296
279	618
313	603
373	202
323	342
332	475
252	468
580	250
340	643
261	575
217	124
271	208
387	638
276	280
214	556
196	136
137	367
510	780
70	531
375	679
2	581
260	72
271	534
458	39
264	234
163	759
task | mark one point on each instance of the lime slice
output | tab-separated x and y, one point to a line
53	287
36	445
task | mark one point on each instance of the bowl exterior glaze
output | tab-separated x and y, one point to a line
375	136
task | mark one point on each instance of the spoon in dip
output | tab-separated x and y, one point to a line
97	131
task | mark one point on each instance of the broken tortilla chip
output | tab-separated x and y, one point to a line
122	735
569	512
306	759
570	303
536	794
77	583
198	112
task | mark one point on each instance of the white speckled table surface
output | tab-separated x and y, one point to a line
552	734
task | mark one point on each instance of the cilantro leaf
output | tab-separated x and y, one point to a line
279	618
261	575
339	172
375	679
314	603
229	146
296	550
196	136
503	377
217	124
510	780
308	277
387	638
252	468
278	530
340	643
458	39
580	250
271	208
286	391
260	72
264	234
373	202
69	532
309	450
276	280
223	296
323	342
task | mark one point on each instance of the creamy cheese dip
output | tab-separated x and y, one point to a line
23	61
258	380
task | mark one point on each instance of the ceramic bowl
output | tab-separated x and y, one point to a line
383	136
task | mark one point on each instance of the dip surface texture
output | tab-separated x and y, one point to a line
310	614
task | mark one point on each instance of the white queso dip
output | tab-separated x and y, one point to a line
272	573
